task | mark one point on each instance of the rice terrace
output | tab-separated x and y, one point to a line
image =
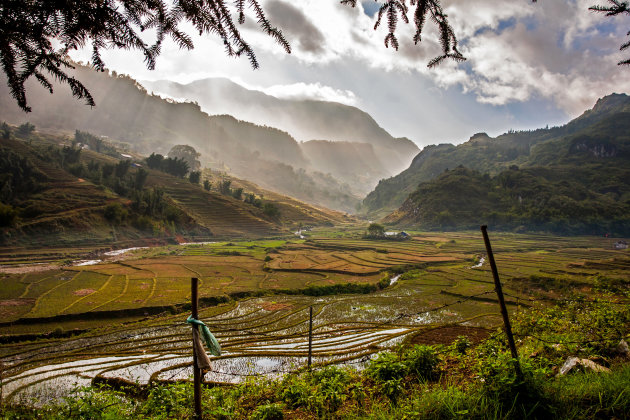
122	320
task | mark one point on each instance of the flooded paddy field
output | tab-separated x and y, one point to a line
430	289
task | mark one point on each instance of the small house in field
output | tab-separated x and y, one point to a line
396	235
620	245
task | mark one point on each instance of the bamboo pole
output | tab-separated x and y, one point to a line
499	290
310	337
194	287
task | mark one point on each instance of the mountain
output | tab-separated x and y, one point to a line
303	119
126	113
493	155
57	191
573	179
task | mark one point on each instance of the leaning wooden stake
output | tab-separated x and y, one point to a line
497	288
194	286
310	337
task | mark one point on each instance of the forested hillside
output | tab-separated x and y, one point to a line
603	127
61	190
570	179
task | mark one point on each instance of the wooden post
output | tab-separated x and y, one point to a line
497	288
310	337
194	286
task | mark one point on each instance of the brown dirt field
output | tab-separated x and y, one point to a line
13	302
30	268
83	292
448	334
271	306
11	308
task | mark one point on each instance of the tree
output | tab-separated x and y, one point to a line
122	167
237	193
194	177
154	161
30	31
224	187
207	185
375	230
25	129
6	131
616	8
83	137
140	179
176	166
186	153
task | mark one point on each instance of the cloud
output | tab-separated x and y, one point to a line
314	91
296	25
555	54
517	51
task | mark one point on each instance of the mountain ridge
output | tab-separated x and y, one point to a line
485	154
572	179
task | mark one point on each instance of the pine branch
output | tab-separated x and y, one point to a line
614	9
107	24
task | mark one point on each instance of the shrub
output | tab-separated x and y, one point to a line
143	223
167	402
271	210
321	392
295	391
268	412
421	362
462	343
513	393
96	403
385	367
8	215
115	213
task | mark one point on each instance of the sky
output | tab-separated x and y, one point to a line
528	65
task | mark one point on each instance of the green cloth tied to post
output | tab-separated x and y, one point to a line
211	341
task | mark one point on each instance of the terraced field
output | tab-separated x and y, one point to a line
437	298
